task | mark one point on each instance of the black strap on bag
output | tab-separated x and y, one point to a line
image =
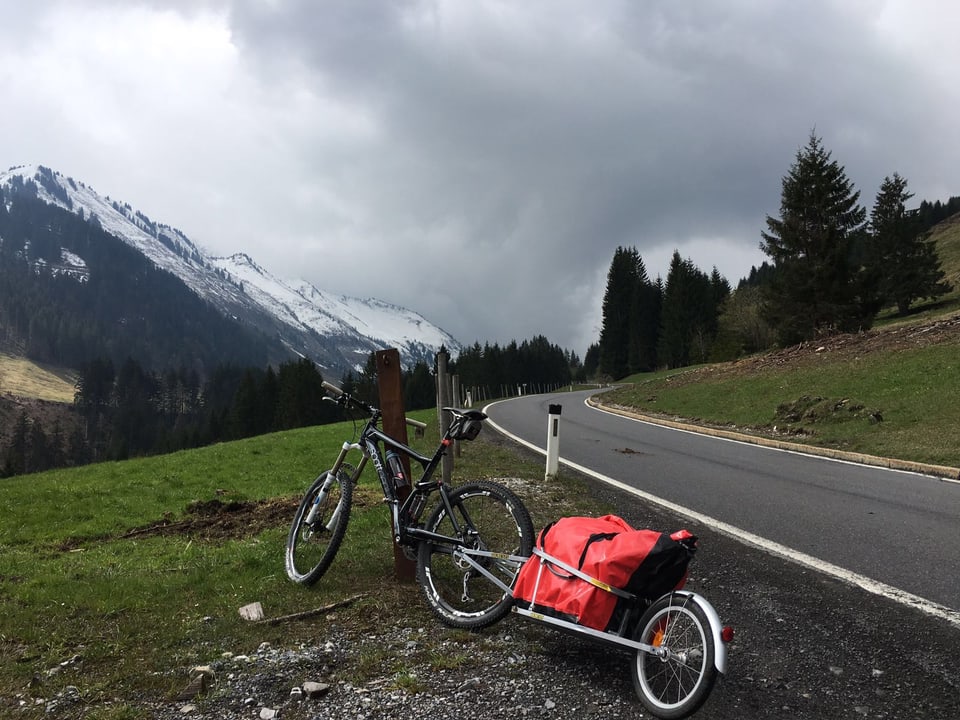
590	541
596	537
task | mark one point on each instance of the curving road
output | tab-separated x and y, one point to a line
899	529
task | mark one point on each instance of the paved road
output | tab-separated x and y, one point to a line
900	529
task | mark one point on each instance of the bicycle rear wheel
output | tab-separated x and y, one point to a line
490	518
318	527
675	683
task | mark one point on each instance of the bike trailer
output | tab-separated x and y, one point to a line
586	570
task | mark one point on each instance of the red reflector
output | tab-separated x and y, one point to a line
726	634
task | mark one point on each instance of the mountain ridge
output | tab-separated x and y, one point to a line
337	331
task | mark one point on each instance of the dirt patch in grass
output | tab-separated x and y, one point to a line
817	409
218	520
213	520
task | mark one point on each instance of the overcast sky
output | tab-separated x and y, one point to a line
478	161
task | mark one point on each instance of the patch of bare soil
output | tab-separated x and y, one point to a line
216	520
853	345
219	520
211	520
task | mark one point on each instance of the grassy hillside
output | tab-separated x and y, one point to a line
19	376
118	578
891	392
946	235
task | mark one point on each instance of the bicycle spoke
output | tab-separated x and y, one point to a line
674	679
490	519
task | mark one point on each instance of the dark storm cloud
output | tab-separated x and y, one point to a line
488	157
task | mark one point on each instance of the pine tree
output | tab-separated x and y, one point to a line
245	415
591	360
644	323
419	387
900	255
614	333
631	310
15	462
38	450
688	319
741	328
816	285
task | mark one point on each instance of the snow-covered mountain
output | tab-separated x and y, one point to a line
336	331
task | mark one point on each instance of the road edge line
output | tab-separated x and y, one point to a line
945	473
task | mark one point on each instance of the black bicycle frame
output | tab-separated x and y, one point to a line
402	531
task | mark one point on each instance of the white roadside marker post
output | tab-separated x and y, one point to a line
553	441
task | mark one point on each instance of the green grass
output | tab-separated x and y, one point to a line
916	393
947	238
140	610
107	498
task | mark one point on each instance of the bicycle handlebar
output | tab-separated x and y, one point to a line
332	388
341	395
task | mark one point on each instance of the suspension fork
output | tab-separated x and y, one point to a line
332	476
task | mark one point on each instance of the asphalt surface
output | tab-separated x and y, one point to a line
897	528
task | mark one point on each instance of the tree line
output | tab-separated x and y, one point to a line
131	411
503	371
487	371
832	268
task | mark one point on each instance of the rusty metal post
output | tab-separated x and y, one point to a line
389	380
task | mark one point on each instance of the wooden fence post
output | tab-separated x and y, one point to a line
455	397
443	400
394	424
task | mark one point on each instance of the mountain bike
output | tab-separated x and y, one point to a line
468	549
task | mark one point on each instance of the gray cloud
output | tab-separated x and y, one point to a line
479	162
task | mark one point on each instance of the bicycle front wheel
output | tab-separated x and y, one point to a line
675	681
490	518
318	527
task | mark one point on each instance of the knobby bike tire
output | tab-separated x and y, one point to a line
312	547
459	595
676	686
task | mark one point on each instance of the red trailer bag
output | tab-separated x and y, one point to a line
645	563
